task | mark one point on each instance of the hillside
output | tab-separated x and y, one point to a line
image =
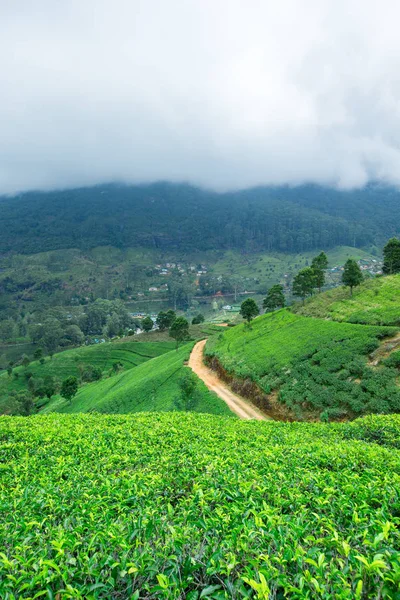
285	219
193	506
312	367
151	386
375	302
127	354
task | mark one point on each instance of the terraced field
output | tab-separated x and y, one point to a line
318	368
375	302
152	386
185	506
128	353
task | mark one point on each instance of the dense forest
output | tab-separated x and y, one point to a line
168	216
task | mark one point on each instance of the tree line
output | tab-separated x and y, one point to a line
312	278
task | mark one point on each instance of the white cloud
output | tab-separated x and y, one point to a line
223	93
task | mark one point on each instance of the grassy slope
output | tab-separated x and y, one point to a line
314	363
183	505
151	386
374	302
129	354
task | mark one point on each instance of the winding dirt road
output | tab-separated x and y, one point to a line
241	407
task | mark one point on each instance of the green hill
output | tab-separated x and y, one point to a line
315	367
194	506
375	302
128	354
152	386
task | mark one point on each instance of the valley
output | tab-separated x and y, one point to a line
213	424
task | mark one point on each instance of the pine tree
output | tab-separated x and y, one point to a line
304	283
391	257
352	275
274	298
318	265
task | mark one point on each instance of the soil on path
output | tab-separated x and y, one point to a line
241	407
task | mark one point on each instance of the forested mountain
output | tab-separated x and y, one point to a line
163	215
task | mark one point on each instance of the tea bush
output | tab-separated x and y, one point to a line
317	365
185	506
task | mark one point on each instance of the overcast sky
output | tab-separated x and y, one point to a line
222	93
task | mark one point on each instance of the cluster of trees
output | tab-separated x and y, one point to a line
391	257
61	327
311	278
181	216
178	327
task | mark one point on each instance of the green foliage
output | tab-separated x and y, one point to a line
25	361
249	309
69	388
179	330
391	257
320	261
162	321
153	385
196	219
195	506
315	364
199	318
188	398
374	302
37	355
147	324
275	298
352	275
90	372
318	265
304	283
99	358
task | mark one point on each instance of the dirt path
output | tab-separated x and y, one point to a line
241	407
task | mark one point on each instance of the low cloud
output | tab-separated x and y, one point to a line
221	93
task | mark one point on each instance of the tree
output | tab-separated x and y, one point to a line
249	309
188	397
304	283
320	261
90	372
147	324
274	298
179	330
198	319
25	361
21	403
180	291
171	314
37	355
69	388
163	320
50	386
73	335
318	265
7	330
352	275
113	326
391	257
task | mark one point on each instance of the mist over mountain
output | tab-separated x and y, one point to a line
226	94
180	216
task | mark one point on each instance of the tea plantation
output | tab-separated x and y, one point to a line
151	386
128	354
375	302
178	505
319	368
